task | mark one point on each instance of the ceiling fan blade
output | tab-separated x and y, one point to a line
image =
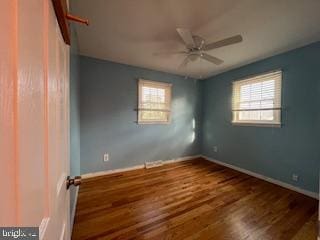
212	59
185	62
168	53
224	42
186	36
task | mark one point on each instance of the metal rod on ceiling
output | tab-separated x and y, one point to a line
77	19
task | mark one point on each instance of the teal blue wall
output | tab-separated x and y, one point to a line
273	152
108	117
74	114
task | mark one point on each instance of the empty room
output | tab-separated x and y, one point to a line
159	119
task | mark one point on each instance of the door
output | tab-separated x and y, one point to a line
34	119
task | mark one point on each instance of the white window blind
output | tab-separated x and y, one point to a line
257	100
154	102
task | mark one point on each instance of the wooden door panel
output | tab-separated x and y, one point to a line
31	110
34	117
58	133
8	86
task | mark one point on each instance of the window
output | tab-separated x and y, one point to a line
257	100
154	102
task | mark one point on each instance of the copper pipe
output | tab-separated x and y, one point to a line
77	19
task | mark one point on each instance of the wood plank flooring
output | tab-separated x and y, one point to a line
194	199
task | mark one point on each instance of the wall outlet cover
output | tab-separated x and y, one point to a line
295	177
215	148
106	157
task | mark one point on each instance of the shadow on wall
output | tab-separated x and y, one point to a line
150	139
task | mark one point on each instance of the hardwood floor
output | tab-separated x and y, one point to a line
194	199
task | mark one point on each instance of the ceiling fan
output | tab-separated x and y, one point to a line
196	47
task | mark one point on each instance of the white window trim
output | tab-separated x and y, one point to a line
277	122
167	86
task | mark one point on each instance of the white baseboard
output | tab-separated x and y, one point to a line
120	170
108	172
153	164
74	208
268	179
181	159
257	175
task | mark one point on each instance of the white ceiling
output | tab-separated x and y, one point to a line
130	31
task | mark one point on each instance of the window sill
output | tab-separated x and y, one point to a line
272	125
152	123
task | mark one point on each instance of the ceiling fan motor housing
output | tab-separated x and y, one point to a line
196	47
199	42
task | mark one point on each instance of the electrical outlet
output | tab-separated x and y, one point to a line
215	148
106	157
295	177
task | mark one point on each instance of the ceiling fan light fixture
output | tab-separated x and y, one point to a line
196	47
